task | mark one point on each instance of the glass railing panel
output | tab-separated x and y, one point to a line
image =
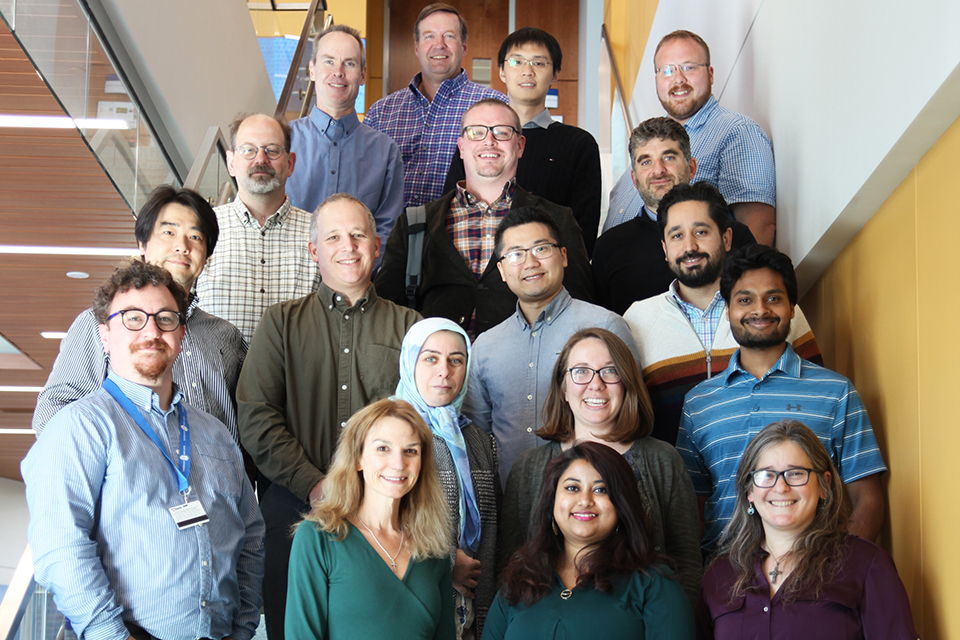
152	167
42	620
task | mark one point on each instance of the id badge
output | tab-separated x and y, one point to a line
189	514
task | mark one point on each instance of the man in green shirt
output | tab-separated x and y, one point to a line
313	363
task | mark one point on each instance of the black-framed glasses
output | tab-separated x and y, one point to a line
477	132
668	70
536	64
516	257
250	151
767	478
584	375
136	319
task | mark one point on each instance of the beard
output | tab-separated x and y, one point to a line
701	276
262	184
749	339
151	365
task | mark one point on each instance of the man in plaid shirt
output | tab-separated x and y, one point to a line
424	117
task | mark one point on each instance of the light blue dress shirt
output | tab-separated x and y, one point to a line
104	542
346	156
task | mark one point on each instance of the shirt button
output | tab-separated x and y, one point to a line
346	317
194	385
346	350
262	261
187	353
339	298
530	365
534	334
334	144
263	290
549	318
756	387
766	608
530	397
203	603
529	429
343	424
756	407
333	172
344	387
205	563
621	210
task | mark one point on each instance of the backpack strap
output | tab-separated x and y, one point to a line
416	230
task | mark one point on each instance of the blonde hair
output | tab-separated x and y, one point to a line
423	511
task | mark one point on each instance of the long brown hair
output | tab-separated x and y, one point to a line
423	511
818	553
636	413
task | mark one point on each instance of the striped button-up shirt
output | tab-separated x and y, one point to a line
426	131
723	413
207	370
705	321
733	154
104	542
254	267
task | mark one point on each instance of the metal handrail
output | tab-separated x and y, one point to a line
17	597
297	58
307	98
605	39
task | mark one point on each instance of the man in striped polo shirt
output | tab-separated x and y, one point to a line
767	381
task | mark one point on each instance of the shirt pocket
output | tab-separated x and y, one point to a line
221	469
379	370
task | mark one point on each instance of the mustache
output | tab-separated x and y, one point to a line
691	255
149	344
264	168
748	320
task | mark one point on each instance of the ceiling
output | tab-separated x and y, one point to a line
53	192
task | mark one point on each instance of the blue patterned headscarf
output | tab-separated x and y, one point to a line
444	421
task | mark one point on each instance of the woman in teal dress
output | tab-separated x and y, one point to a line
590	570
372	559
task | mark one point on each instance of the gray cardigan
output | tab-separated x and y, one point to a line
666	490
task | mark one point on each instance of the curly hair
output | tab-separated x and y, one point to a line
818	552
137	274
628	548
423	511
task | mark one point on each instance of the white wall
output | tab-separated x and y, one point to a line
13	533
851	93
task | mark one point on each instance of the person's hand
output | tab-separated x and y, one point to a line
316	492
466	573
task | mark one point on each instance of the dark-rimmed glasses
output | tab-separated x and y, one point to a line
767	478
477	132
136	319
584	375
250	151
516	257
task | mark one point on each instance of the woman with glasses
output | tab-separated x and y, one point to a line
589	570
787	563
597	395
434	369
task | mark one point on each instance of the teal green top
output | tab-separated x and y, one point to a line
645	605
343	589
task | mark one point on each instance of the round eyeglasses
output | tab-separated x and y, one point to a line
136	319
584	375
516	257
250	151
767	478
477	132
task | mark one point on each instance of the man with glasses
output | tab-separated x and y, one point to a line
336	152
459	278
767	381
506	394
263	257
559	162
176	229
122	484
732	151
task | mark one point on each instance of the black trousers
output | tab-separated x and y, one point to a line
138	633
281	510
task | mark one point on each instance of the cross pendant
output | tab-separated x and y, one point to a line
775	574
393	565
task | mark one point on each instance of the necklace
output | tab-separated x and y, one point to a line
776	573
565	594
393	558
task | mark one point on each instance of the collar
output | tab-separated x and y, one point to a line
649	214
550	313
700	118
675	292
192	305
144	397
247	219
448	87
541	121
322	121
788	365
467	199
333	300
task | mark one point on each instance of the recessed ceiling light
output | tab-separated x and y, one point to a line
9	389
54	335
67	251
79	275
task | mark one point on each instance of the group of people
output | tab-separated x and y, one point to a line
455	441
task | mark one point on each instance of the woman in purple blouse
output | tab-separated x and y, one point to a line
788	568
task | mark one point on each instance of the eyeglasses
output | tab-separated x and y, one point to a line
536	64
477	132
516	257
767	478
250	151
668	70
584	375
136	319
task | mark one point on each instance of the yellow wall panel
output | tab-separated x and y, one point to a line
628	24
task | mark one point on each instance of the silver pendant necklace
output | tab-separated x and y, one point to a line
393	558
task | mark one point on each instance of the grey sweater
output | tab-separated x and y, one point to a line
666	490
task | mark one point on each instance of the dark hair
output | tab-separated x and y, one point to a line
636	413
680	34
696	192
166	194
438	7
751	258
341	28
280	120
525	215
531	35
137	274
663	129
530	573
495	102
817	551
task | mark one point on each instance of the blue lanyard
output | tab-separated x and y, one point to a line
182	472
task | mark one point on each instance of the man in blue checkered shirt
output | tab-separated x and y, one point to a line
732	151
424	117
